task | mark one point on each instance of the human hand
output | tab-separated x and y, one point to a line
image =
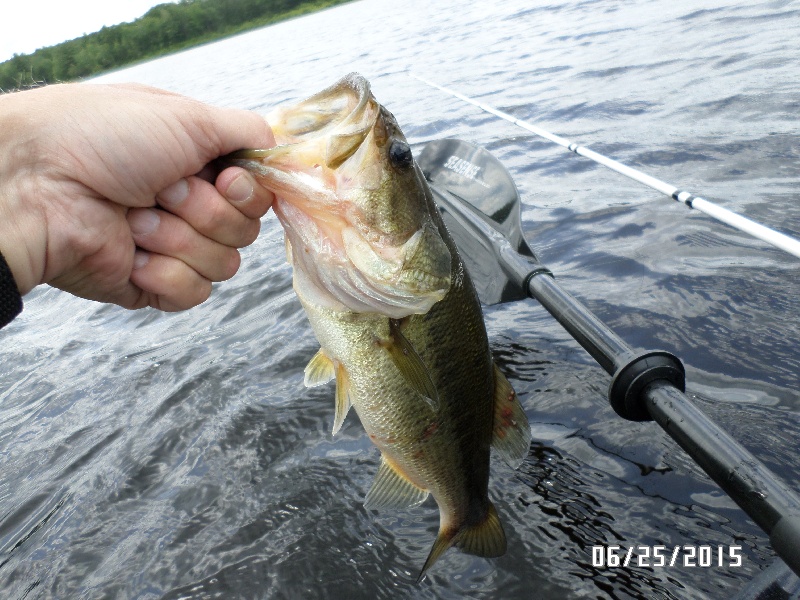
105	192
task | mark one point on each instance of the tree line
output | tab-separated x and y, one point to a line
164	28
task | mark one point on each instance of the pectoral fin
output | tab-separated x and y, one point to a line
319	370
391	489
410	365
512	434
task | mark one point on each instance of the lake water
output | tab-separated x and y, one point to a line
146	455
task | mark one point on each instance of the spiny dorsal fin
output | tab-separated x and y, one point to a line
342	398
319	370
410	365
511	436
485	539
392	489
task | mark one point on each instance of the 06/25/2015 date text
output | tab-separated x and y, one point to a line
688	555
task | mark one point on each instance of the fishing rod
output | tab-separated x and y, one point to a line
735	220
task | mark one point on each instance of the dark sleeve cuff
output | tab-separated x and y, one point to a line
10	300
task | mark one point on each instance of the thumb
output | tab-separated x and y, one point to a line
230	129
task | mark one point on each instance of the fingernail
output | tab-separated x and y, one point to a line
240	189
143	222
140	259
174	194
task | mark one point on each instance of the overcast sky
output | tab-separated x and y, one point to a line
32	24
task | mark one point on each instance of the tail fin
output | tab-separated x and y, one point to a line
443	541
485	539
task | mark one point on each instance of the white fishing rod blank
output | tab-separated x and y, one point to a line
735	220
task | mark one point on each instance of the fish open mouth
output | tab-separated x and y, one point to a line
353	204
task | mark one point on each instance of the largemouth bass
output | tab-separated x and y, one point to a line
397	317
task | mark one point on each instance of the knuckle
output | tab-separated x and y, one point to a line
184	241
214	217
231	264
187	289
250	232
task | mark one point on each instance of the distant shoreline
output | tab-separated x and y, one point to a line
164	29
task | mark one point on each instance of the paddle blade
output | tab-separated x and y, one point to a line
480	206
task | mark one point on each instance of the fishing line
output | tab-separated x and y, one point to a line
735	220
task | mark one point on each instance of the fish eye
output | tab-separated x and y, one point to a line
400	154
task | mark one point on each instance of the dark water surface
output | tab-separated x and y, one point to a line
145	455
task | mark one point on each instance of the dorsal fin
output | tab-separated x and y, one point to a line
391	489
511	436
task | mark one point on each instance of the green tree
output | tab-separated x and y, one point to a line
164	28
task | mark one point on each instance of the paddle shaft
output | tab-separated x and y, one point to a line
735	220
774	507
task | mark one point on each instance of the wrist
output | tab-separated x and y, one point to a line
23	240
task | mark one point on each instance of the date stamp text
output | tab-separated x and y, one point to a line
688	555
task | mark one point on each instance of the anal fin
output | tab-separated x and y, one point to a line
391	489
511	436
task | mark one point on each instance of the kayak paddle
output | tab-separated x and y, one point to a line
481	208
